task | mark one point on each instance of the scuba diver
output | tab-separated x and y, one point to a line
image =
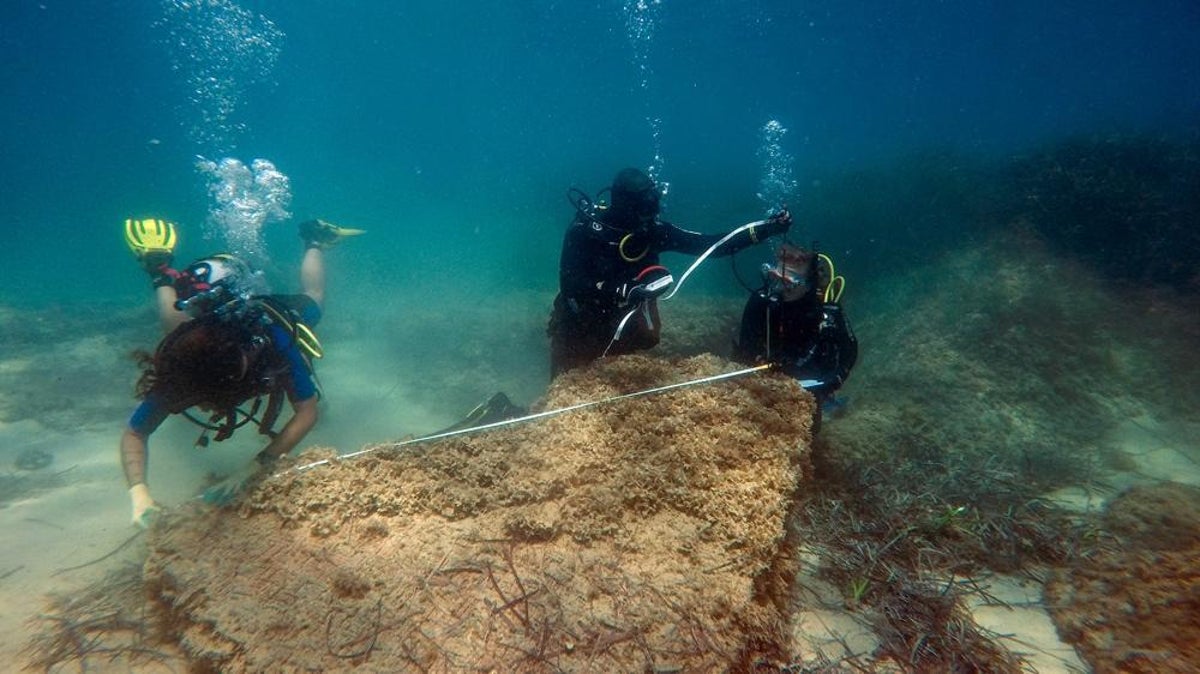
796	322
227	344
609	271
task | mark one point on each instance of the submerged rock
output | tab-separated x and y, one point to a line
649	534
1132	607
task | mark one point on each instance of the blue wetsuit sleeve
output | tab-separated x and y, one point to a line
302	382
310	314
148	416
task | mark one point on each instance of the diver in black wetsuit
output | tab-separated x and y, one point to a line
609	271
796	322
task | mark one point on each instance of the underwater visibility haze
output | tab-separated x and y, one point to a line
453	130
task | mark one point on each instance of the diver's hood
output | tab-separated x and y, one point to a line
635	200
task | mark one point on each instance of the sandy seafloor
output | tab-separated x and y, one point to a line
397	366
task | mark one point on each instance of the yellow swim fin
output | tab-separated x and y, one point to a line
151	238
321	234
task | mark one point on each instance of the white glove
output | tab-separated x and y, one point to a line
145	510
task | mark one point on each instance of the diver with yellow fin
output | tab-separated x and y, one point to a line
228	344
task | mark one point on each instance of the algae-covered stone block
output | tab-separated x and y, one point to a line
646	534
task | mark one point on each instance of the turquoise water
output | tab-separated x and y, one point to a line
452	130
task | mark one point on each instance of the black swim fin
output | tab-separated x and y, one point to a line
496	408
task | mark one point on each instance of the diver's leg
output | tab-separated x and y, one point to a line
319	235
573	338
312	275
570	350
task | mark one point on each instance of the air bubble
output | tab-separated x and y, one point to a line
244	200
220	49
777	185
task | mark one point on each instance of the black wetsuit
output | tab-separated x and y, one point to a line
594	269
809	339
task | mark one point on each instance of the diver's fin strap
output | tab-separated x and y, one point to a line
304	336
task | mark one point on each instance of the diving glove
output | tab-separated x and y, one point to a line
324	235
779	223
152	242
145	510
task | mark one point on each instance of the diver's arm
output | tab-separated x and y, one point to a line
168	316
134	441
694	243
133	457
676	239
133	461
303	419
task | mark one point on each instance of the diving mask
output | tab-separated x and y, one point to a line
789	278
219	284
